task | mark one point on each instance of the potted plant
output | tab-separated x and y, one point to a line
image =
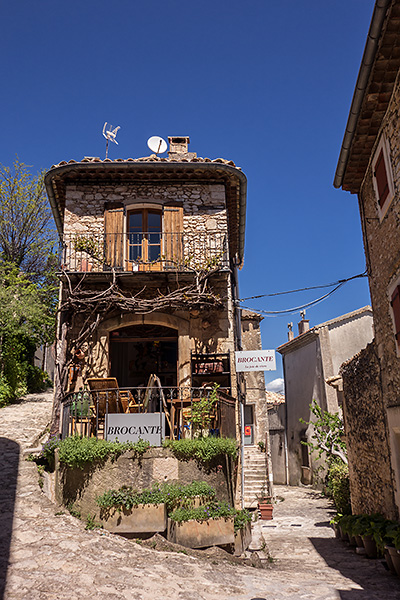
392	547
265	505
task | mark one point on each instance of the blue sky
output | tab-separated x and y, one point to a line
266	84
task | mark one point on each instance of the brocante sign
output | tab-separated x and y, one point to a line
255	360
132	427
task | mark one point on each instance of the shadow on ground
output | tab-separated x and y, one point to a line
369	574
9	453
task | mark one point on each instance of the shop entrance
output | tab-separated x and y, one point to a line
139	351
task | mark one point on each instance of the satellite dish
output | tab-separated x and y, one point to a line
110	133
157	144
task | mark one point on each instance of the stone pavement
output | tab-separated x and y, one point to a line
45	554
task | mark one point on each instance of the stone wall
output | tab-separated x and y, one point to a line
366	436
203	205
255	382
382	248
80	487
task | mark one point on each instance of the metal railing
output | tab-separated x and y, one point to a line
83	252
189	411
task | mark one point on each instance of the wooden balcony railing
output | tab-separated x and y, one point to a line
189	411
144	251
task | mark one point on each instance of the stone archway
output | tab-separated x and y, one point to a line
101	352
138	351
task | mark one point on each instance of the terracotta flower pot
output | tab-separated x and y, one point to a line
370	546
266	510
393	559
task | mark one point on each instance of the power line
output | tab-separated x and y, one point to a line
297	308
305	289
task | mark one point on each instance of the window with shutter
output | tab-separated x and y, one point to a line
395	303
172	236
114	235
382	177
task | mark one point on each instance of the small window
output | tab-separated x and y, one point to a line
395	304
382	177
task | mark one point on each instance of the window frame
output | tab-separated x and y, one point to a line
384	150
144	210
394	309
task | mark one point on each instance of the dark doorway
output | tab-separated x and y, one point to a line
139	351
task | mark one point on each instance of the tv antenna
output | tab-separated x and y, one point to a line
110	133
157	144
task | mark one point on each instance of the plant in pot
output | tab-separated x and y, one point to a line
392	546
265	505
373	536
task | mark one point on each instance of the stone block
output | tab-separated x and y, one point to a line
149	518
195	534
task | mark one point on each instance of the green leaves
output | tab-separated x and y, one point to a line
27	236
328	433
204	450
77	452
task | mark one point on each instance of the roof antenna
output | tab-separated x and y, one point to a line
110	133
157	144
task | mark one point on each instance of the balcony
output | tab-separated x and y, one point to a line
188	411
130	252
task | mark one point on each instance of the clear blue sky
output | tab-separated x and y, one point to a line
265	83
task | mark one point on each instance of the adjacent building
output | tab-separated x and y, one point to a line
311	361
369	166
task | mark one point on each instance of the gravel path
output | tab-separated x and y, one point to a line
46	554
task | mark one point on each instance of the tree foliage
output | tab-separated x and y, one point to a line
28	284
27	236
26	321
328	433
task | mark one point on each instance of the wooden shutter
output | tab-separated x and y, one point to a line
396	312
172	236
381	179
114	234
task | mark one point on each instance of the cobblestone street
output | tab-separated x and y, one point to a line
46	554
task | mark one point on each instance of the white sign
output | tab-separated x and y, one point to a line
132	427
255	360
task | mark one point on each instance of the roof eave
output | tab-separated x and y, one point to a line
368	59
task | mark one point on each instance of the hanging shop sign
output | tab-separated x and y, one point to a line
255	360
134	427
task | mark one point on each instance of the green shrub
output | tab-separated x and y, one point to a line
37	380
204	450
172	494
77	452
338	486
49	447
212	510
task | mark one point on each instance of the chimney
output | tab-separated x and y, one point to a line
290	334
304	324
178	147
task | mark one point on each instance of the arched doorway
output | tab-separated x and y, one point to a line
138	351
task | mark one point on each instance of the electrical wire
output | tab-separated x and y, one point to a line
297	308
305	289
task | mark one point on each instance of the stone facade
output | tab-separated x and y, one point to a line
203	205
367	436
383	261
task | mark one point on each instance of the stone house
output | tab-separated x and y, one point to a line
148	282
369	166
311	361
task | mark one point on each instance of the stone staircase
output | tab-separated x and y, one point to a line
255	475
